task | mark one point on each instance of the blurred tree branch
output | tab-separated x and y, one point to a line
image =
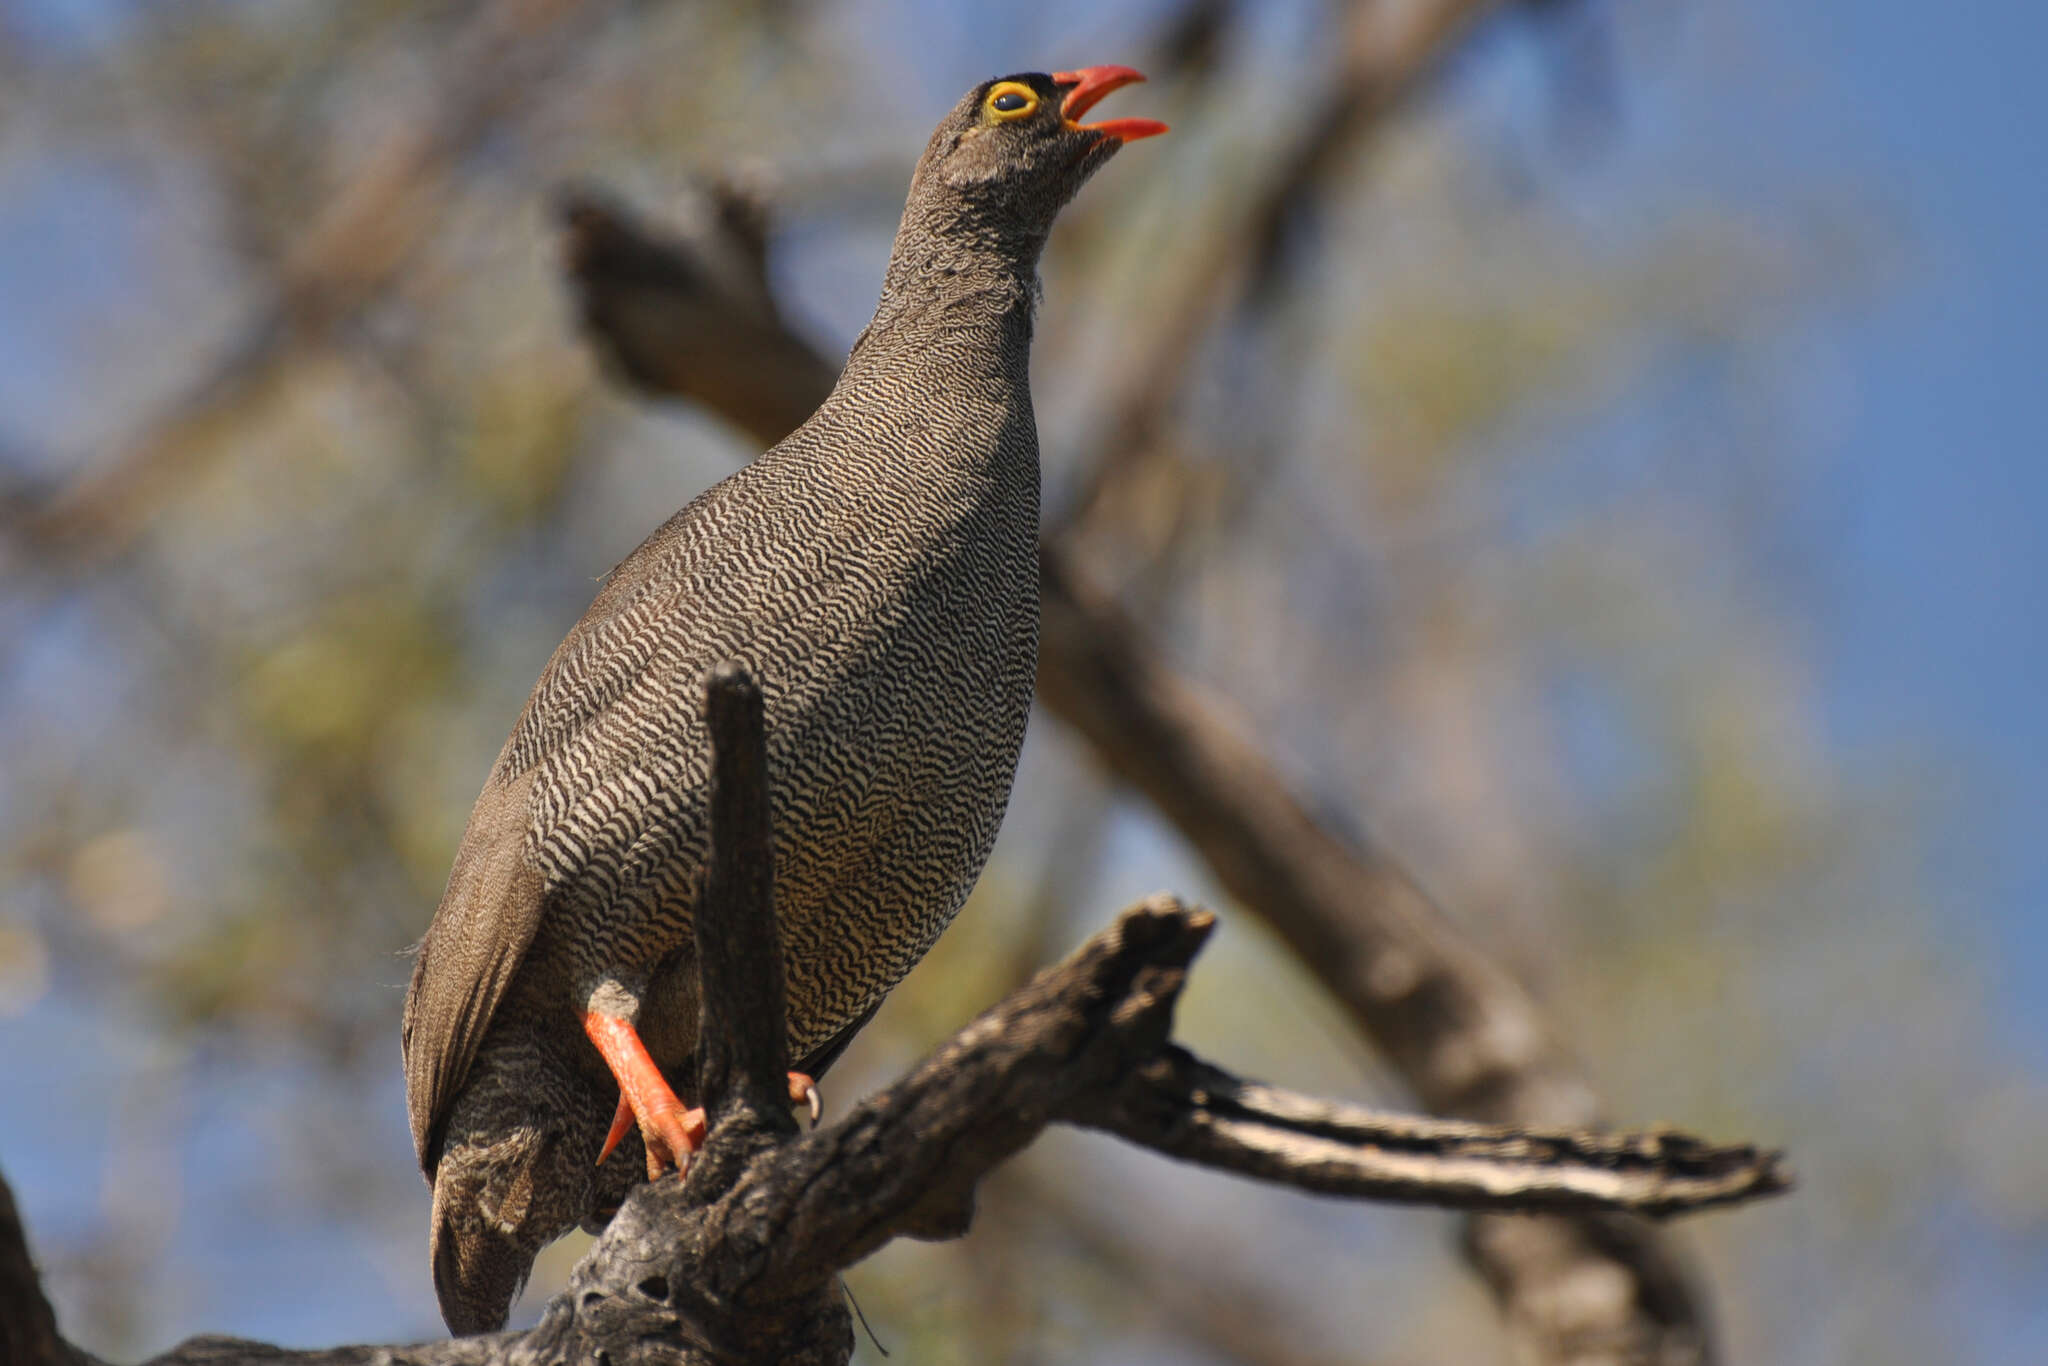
354	245
1466	1038
738	1262
28	1326
1188	1292
1386	51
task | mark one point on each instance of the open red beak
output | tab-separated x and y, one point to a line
1088	85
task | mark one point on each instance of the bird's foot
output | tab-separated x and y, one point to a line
671	1129
672	1136
803	1091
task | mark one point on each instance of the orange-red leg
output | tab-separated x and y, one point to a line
671	1129
622	1124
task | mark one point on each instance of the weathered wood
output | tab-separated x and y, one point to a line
742	1034
28	1326
738	1263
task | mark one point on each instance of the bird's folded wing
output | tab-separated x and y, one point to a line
479	936
496	893
613	694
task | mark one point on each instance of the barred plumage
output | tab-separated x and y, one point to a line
876	571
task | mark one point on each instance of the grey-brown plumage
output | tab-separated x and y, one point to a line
876	571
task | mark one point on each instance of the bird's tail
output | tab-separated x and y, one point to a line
485	1236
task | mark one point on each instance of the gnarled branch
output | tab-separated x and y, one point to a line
737	1263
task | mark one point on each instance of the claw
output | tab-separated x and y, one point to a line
672	1137
671	1130
803	1091
622	1124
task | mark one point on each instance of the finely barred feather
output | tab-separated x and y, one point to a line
878	577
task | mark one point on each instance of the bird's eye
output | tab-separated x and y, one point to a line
1011	100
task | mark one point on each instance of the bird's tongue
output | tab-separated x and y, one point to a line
1088	85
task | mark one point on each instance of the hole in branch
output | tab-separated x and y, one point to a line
655	1288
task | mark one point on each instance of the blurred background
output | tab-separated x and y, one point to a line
1614	480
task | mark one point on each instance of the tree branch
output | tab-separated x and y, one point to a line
28	1326
737	1264
742	1035
354	245
697	304
1181	1106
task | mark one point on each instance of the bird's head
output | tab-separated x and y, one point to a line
1014	150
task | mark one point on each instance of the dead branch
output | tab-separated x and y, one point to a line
28	1326
737	1263
742	1031
1179	1105
708	326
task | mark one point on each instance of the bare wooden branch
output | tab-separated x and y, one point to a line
1179	1105
738	1264
28	1326
742	1037
1464	1035
696	305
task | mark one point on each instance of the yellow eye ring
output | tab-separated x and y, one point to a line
1010	100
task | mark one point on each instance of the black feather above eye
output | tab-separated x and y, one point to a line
1008	102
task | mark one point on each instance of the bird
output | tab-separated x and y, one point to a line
876	571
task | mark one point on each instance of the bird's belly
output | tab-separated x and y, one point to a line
894	723
888	795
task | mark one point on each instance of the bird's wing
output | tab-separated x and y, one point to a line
824	1055
496	894
479	936
610	705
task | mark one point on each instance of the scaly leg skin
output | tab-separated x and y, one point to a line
671	1130
802	1091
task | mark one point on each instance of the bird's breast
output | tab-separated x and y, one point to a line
891	615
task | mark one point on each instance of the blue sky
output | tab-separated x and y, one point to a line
1937	626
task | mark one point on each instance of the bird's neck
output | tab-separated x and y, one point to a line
958	275
945	363
944	369
982	334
